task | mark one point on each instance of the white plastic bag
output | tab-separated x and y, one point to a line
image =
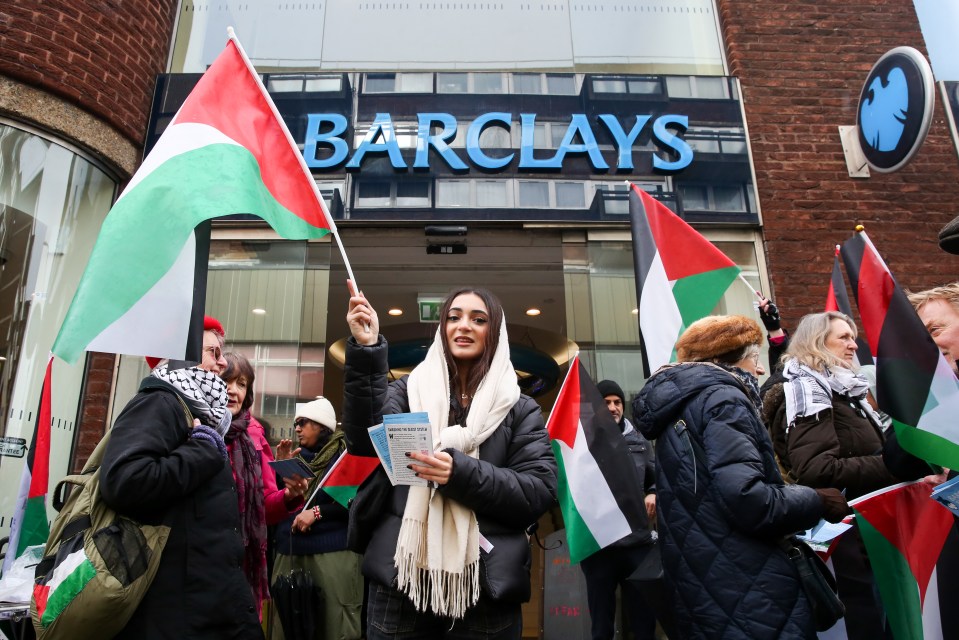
17	584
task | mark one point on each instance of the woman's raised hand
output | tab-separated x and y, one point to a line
361	316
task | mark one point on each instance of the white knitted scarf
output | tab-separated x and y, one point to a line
437	553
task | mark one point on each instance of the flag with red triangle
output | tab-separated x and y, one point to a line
905	533
227	151
29	525
915	385
680	275
599	488
345	476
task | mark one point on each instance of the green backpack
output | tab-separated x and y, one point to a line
97	564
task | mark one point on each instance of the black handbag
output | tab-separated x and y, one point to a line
817	582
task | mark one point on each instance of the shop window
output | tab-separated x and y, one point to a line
296	83
570	195
383	193
637	86
727	140
533	194
527	83
492	193
52	205
398	83
491	83
557	85
702	87
713	197
481	83
453	193
452	82
609	85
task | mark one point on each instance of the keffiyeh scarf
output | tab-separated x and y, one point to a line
809	391
203	391
437	553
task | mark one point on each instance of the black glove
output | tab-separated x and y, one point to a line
834	505
770	316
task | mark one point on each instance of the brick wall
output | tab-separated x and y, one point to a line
802	65
102	55
94	406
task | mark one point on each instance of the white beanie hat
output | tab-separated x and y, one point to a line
319	411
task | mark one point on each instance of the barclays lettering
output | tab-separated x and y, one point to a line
437	130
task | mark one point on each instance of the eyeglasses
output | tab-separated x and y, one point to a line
300	422
213	351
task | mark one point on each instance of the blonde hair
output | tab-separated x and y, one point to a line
808	342
948	293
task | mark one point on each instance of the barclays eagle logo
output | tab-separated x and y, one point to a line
883	113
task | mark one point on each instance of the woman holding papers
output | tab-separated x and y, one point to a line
826	435
315	539
451	559
261	501
723	508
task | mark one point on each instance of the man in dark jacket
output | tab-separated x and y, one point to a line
612	566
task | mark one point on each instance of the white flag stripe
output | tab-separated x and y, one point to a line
164	333
63	570
931	620
659	316
176	140
591	494
944	394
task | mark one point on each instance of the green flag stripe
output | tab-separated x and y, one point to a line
34	528
342	494
697	295
198	185
927	445
579	538
897	584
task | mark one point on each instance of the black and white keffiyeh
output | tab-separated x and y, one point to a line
809	391
203	391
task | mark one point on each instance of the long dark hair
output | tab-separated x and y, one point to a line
237	365
482	365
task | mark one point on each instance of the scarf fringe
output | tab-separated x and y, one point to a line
445	593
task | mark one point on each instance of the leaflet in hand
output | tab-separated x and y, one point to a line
948	494
398	434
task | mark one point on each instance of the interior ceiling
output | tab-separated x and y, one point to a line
521	268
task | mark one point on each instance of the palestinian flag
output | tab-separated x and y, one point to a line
680	275
29	526
838	300
226	151
915	385
905	533
72	570
599	489
346	475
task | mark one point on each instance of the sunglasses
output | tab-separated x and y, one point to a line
300	422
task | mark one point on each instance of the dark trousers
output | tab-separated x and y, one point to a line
392	615
865	617
604	571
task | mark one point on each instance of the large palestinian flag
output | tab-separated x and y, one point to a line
600	492
915	385
838	300
905	533
28	524
680	275
227	151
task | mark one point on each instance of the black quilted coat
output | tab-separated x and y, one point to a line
723	507
510	485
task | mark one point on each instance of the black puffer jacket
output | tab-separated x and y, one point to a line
723	508
152	471
510	485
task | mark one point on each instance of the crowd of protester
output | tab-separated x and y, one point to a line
737	469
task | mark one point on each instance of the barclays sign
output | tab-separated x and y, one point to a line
326	131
